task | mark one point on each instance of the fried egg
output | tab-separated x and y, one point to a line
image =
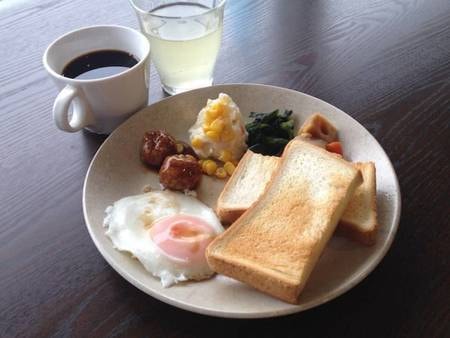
166	231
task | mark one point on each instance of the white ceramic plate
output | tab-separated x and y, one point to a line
116	172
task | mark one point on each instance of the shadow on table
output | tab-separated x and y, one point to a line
91	142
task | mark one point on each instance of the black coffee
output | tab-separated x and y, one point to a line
98	64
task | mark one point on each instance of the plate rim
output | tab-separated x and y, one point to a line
342	289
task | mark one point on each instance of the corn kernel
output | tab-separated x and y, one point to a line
197	142
217	125
213	135
220	172
209	167
208	118
225	155
213	113
229	168
200	162
227	135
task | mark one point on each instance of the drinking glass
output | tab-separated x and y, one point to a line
184	40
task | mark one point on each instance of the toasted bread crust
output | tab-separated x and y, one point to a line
353	230
228	216
276	243
261	279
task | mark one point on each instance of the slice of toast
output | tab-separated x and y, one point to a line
248	182
246	185
276	243
359	221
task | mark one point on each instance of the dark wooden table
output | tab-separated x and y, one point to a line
386	63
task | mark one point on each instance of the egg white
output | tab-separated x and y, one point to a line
128	222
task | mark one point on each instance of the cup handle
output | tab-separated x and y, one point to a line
81	114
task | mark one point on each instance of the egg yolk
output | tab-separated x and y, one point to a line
183	237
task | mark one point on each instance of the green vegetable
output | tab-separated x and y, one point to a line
269	133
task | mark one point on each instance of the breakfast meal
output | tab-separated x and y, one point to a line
287	193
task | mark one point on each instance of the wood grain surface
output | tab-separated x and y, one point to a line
386	63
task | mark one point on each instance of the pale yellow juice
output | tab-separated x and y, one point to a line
184	51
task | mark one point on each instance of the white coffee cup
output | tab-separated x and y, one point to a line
98	105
